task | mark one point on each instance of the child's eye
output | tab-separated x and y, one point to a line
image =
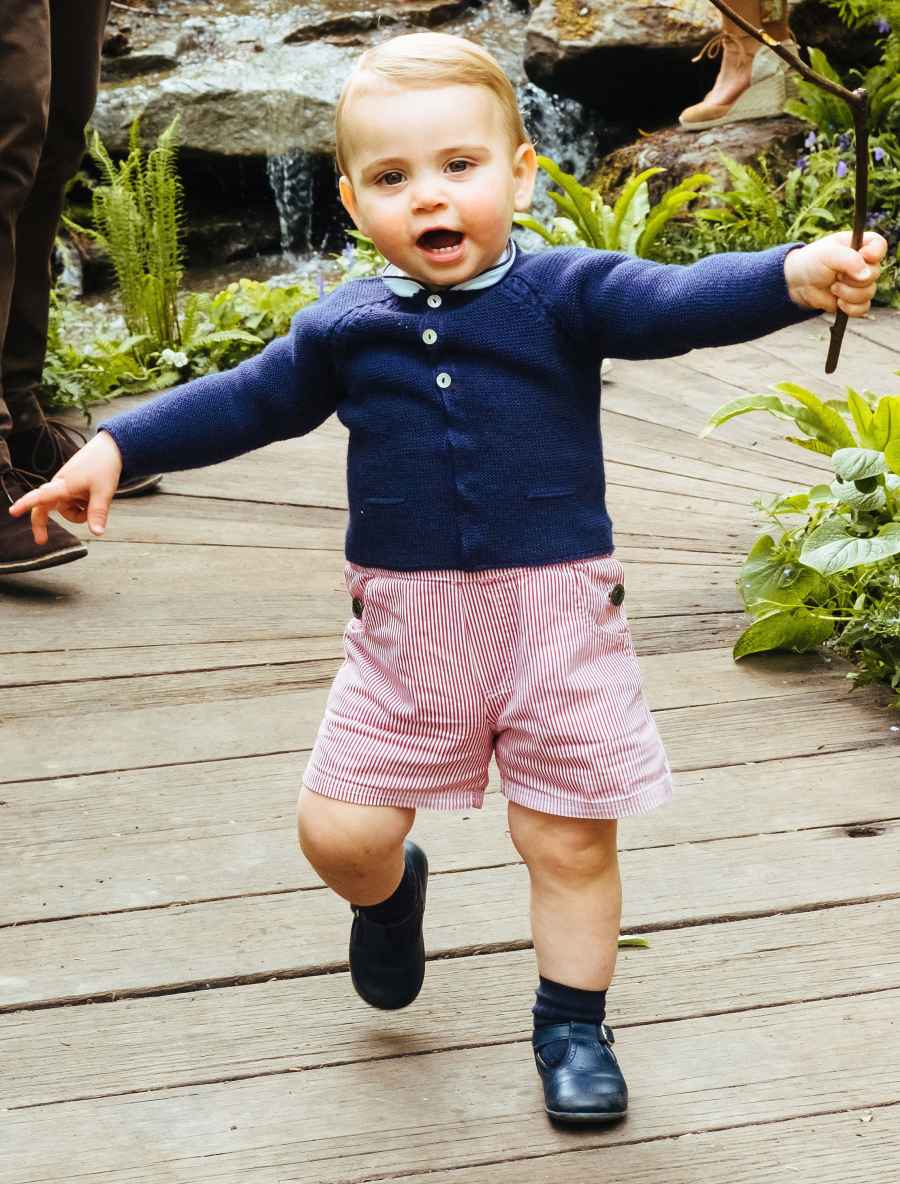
464	164
392	178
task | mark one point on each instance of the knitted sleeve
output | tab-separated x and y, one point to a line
619	306
286	390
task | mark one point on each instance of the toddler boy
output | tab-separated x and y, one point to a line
488	611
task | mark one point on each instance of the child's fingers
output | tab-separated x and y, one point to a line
98	510
50	494
874	247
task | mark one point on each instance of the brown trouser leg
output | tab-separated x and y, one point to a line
49	73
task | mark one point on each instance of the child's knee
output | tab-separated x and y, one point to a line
566	848
335	833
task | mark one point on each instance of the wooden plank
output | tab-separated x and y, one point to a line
168	719
863	364
463	1107
297	932
828	1149
881	326
143	838
121	597
203	1036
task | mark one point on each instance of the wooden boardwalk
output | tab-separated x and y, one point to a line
175	1000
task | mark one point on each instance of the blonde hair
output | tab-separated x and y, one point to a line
433	60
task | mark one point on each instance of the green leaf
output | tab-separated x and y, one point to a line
862	417
811	445
831	428
745	403
848	493
630	211
854	464
631	939
831	548
892	455
886	422
767	575
796	629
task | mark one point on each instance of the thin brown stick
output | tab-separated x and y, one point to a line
857	100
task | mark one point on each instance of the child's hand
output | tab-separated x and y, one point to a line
830	275
81	490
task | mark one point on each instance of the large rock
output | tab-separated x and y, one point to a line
682	153
632	58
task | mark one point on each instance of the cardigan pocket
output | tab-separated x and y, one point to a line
551	492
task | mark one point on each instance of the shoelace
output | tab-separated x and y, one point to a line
718	43
21	477
61	438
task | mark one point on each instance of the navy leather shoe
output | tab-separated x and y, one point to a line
387	962
586	1083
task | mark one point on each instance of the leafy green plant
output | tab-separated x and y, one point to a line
836	576
137	214
630	225
829	114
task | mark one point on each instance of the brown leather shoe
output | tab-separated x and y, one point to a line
18	550
41	444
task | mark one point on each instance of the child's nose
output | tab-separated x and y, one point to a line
427	195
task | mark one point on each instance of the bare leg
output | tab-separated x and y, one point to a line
576	894
357	850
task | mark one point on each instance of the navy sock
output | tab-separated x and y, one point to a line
555	1003
398	905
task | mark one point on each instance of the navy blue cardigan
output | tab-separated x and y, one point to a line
473	415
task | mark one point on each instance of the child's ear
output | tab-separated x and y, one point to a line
524	172
348	200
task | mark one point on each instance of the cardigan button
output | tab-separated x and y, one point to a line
434	301
429	337
617	594
443	380
357	606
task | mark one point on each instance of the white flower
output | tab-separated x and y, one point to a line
171	358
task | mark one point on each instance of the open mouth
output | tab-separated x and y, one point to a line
440	241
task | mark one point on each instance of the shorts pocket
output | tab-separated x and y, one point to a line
600	588
362	586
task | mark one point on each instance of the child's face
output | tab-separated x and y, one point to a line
429	161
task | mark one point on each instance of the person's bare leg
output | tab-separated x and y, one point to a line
357	850
576	894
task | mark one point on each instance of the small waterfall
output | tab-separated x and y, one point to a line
305	195
566	131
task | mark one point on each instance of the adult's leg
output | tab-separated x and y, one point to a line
738	51
24	107
76	40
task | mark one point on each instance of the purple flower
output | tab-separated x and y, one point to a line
878	154
883	25
843	141
874	218
348	253
801	163
841	169
810	141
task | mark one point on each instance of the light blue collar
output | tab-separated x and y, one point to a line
402	284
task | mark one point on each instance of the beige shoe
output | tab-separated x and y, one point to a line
771	85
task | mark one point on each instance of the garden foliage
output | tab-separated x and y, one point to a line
631	225
835	576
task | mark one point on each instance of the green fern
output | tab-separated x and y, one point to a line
138	221
632	225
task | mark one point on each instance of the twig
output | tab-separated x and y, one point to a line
858	102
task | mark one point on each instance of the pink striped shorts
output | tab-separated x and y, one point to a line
534	665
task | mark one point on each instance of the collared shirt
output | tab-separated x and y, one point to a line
402	284
472	412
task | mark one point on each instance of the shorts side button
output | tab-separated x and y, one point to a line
617	594
357	606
